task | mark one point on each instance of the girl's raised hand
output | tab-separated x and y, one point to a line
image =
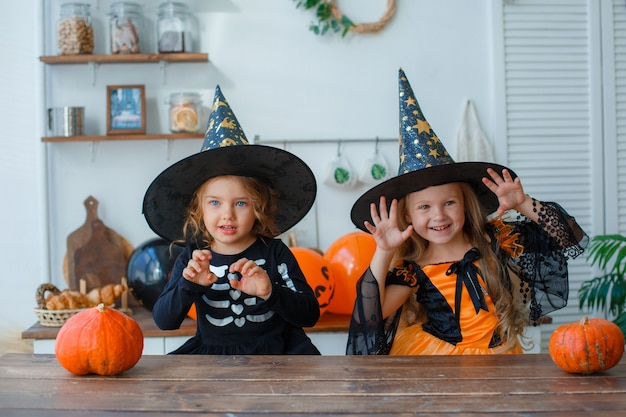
197	269
254	280
509	191
385	229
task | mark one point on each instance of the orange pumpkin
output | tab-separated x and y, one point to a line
192	314
99	340
587	346
348	258
317	274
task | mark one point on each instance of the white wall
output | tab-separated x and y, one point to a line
281	80
23	244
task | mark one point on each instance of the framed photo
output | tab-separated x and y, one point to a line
126	109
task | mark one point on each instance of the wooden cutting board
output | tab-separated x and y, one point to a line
99	261
95	252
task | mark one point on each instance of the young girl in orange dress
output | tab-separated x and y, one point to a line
445	280
226	205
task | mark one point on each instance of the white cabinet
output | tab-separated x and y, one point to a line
328	343
152	345
329	334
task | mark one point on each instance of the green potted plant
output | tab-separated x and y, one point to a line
608	291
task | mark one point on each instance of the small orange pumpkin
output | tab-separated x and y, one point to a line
587	346
99	340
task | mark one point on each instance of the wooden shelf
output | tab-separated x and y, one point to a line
122	137
124	58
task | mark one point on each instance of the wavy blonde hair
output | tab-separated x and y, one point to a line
263	199
494	271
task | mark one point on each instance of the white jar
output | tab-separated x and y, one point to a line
184	112
174	28
125	27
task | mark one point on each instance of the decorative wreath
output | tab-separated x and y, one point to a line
329	16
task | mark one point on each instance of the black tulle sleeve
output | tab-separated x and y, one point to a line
543	265
369	333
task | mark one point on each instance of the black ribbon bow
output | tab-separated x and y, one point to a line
467	274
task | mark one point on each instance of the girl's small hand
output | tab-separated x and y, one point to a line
509	191
385	229
254	280
198	268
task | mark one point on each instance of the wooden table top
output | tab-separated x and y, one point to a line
327	323
499	385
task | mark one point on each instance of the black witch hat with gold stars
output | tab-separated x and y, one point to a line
226	151
424	162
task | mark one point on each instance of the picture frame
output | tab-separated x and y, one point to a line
126	109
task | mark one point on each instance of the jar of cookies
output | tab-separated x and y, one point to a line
184	112
74	29
125	27
174	28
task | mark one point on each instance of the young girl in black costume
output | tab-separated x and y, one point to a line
444	280
226	204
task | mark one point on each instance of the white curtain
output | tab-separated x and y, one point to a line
472	143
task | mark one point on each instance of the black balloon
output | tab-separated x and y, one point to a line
149	269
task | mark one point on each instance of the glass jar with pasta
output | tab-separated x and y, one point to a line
74	29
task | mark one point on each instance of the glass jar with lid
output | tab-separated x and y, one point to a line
125	27
174	28
184	112
74	29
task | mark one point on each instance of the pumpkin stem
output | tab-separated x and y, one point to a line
584	321
101	307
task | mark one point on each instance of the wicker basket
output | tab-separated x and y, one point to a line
54	318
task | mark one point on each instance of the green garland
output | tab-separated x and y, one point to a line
325	19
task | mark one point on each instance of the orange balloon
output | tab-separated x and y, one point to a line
192	312
317	275
348	258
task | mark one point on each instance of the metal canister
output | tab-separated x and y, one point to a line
66	121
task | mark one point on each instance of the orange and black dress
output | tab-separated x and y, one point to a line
459	314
